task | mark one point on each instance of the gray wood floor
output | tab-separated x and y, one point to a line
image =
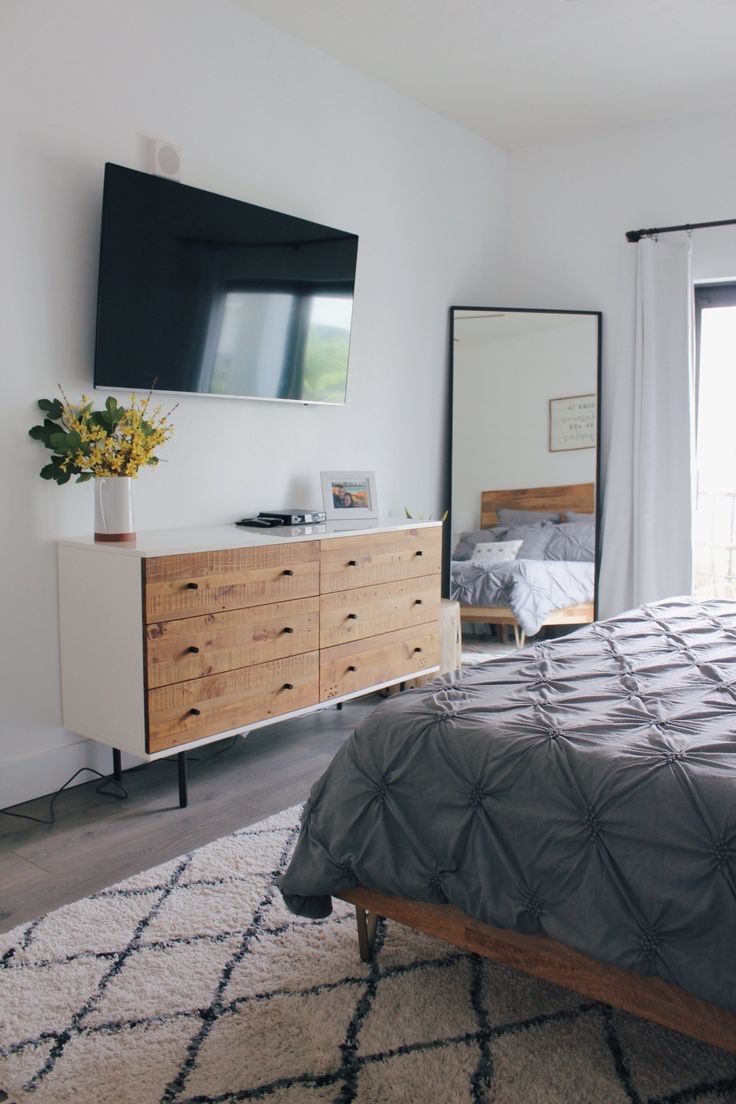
98	840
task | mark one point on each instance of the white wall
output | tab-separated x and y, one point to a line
570	205
267	119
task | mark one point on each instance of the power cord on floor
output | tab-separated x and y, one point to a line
109	780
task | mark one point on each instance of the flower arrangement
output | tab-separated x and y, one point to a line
117	440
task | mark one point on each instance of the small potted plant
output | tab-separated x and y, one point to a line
421	517
110	445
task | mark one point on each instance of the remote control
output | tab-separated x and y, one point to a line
259	522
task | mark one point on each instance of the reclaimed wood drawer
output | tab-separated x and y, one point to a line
346	668
209	582
221	703
193	647
374	558
368	611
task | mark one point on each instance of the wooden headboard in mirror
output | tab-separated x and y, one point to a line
575	496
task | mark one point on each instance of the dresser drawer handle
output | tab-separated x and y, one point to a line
287	571
352	617
195	712
418	602
417	649
288	686
192	586
351	668
287	629
192	648
419	552
352	563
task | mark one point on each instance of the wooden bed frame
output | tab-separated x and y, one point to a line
574	496
651	998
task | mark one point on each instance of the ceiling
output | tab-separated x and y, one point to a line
520	72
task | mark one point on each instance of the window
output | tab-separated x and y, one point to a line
714	549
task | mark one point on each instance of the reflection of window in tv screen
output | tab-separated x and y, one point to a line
282	345
215	296
327	346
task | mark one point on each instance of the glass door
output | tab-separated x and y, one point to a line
714	552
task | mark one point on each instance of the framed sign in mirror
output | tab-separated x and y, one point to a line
573	423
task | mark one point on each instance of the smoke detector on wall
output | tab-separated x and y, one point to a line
164	159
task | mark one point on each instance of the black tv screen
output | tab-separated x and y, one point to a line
205	294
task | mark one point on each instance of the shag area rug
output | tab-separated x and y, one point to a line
192	984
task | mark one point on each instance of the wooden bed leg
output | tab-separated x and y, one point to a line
519	636
367	922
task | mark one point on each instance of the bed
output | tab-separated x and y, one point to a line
528	593
568	809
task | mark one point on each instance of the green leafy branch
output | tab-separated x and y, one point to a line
86	442
421	517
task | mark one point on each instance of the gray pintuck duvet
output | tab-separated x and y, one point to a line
584	788
531	589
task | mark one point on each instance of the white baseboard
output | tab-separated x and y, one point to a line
44	771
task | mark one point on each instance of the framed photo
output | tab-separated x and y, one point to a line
349	496
573	423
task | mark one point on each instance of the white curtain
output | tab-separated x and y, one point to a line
648	436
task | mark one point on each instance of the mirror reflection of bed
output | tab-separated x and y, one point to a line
524	449
552	588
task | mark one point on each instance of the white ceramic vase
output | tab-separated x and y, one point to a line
114	508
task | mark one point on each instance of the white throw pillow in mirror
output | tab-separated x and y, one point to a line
497	552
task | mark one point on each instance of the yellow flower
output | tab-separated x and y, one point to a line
115	441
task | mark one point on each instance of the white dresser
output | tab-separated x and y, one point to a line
191	635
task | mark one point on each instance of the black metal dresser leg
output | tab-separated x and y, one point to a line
183	791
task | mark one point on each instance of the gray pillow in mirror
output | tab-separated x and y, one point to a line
535	538
573	540
468	541
573	515
524	517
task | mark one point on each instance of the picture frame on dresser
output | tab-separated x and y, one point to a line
349	495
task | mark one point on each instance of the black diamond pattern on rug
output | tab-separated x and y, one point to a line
191	984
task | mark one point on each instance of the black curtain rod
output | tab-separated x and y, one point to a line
637	235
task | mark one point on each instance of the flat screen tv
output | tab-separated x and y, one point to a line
210	295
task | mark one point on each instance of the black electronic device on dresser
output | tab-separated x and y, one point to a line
295	516
269	519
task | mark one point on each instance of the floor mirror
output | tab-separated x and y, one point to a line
524	480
